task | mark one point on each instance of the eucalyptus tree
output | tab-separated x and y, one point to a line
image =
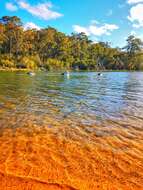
134	49
47	47
12	34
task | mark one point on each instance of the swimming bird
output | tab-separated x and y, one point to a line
67	73
31	73
100	74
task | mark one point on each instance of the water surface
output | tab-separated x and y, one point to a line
83	96
85	130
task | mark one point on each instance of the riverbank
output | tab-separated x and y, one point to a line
13	69
72	70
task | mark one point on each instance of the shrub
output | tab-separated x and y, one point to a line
54	64
29	62
6	62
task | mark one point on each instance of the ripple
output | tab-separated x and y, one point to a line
77	133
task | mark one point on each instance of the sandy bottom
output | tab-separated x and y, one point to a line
64	155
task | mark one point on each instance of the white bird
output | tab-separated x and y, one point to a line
100	74
67	73
31	73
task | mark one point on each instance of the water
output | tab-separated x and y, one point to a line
86	129
84	96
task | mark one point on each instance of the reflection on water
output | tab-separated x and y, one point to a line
81	132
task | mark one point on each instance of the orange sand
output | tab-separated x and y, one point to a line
62	155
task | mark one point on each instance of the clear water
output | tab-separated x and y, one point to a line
83	97
79	132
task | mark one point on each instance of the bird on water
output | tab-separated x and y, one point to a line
67	73
31	73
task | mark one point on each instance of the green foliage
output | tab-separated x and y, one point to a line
134	53
28	62
6	62
53	50
134	45
53	64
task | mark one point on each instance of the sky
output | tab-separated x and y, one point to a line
100	20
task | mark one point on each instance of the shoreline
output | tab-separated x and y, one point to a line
26	70
14	69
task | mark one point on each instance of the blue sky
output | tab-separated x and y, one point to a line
110	20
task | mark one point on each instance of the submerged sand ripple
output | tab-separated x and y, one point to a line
67	155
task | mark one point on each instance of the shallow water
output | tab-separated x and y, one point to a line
81	132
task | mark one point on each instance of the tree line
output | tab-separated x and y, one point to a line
52	50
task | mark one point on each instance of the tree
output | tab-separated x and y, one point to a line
12	30
134	45
52	49
134	51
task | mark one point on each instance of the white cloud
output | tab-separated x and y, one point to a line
95	29
80	29
134	1
11	7
41	10
137	35
31	25
133	33
136	15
